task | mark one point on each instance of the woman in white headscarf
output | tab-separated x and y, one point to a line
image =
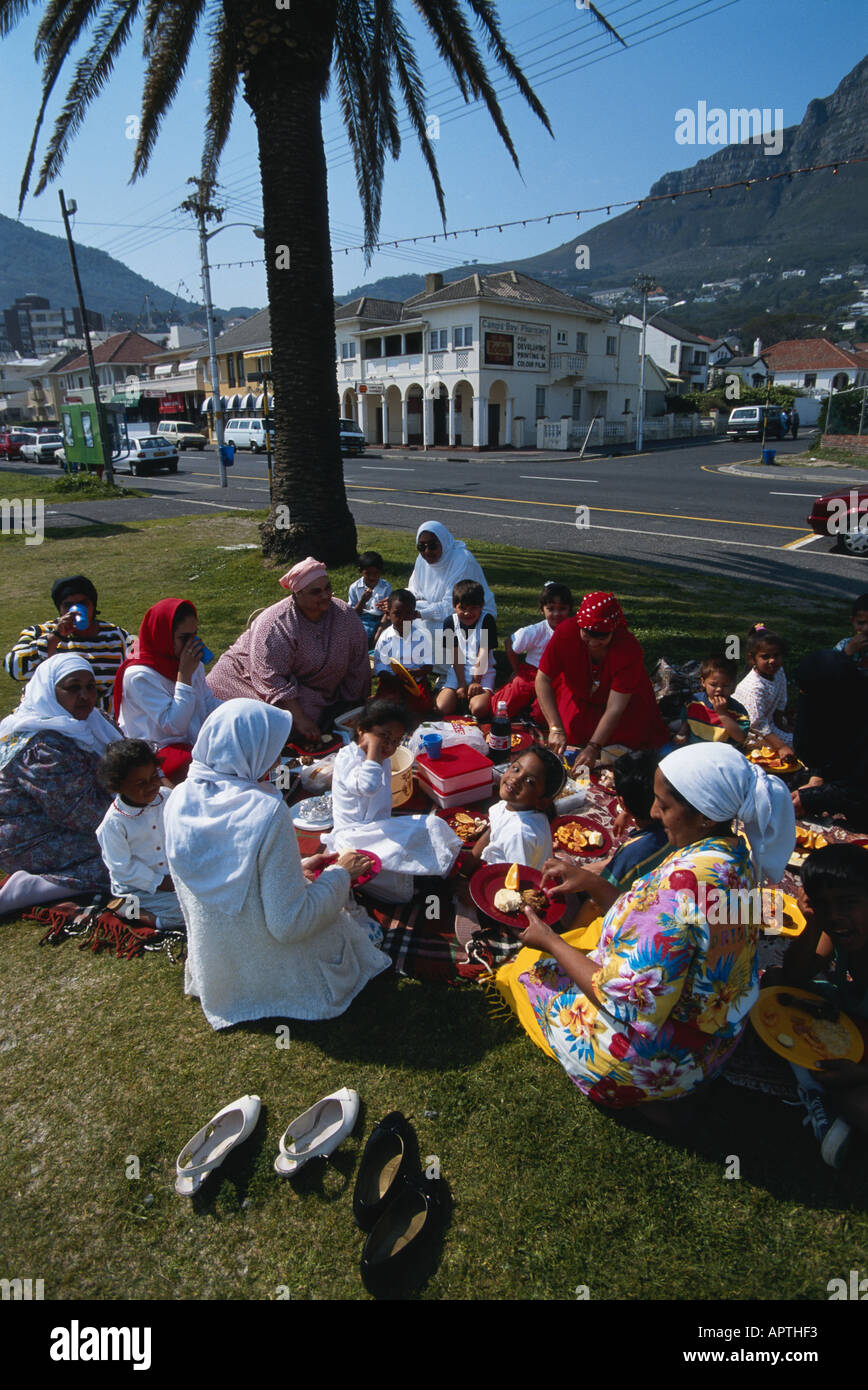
442	562
661	1002
50	799
263	940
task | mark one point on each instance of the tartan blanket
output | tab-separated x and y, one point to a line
102	930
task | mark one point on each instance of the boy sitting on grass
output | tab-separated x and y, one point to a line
856	647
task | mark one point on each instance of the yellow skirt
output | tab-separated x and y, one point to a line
511	989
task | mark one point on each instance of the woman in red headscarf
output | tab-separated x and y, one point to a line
592	688
160	693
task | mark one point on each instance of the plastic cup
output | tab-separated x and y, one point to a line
79	615
433	745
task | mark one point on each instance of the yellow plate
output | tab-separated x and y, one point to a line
796	924
405	678
813	1041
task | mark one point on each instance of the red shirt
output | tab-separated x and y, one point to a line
582	690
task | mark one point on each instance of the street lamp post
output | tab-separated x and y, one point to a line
640	424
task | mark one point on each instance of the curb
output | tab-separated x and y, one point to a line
736	471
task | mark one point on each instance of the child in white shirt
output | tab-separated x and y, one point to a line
131	834
519	831
362	808
406	640
369	593
470	679
763	691
525	647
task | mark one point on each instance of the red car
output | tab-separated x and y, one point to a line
10	443
843	515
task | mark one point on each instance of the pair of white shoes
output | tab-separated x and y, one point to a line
315	1134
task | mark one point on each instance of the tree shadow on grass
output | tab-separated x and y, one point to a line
90	529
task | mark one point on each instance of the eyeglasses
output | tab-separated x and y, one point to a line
428	545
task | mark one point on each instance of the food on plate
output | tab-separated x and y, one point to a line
785	1040
535	898
306	760
762	754
810	839
467	827
574	838
516	740
595	839
507	900
511	880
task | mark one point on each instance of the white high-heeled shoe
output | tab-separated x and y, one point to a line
317	1132
210	1146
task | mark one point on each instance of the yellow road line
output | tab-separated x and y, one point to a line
570	507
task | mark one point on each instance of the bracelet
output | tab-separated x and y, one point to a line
596	746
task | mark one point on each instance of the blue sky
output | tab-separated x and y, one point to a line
612	111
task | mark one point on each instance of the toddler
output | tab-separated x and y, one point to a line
834	899
714	715
470	679
369	593
519	831
763	691
856	647
525	647
131	834
362	808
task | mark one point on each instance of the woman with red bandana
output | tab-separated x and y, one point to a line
160	693
592	687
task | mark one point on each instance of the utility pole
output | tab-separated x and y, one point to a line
643	284
202	208
97	401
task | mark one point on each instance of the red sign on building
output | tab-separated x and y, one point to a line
172	404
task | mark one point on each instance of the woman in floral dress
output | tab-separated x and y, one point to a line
661	1002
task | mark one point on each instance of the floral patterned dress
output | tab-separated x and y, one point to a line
50	806
677	978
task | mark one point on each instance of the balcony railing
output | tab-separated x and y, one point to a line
573	363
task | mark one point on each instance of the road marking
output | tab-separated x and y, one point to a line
540	478
806	540
792	494
551	521
383	468
570	507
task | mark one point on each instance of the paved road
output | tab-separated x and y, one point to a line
688	507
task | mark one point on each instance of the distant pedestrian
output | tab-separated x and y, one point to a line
794	422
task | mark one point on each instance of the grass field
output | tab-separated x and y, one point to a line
107	1069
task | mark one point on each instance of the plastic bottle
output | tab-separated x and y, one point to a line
500	734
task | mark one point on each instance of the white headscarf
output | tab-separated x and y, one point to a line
720	783
216	820
433	584
40	709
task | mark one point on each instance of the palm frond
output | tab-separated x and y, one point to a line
169	32
487	17
11	13
222	88
91	74
601	19
366	113
412	89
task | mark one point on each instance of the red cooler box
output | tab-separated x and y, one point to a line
459	775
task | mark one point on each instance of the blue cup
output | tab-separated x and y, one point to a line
206	655
79	613
433	745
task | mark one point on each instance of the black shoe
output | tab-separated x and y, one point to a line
398	1252
385	1162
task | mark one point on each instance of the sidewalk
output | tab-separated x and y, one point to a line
820	472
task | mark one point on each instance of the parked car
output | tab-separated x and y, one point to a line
248	434
41	448
182	434
352	439
751	419
843	515
11	441
149	453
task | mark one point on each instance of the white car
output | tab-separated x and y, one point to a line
151	452
41	448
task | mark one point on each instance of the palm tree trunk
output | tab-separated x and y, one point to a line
285	57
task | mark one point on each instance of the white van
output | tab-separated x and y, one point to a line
182	433
248	434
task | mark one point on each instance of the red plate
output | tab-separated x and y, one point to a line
586	823
376	866
449	813
322	751
490	879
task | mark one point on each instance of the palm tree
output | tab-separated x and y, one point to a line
283	54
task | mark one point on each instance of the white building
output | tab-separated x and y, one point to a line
676	350
816	365
477	363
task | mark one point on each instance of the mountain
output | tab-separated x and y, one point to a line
813	222
34	262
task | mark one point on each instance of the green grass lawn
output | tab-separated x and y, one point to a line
84	486
105	1061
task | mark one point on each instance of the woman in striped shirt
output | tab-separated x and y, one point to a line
103	645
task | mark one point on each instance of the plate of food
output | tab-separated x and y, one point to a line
806	841
316	748
770	760
789	922
468	825
805	1028
501	891
314	813
374	867
409	683
580	837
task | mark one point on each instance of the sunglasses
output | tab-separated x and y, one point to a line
428	545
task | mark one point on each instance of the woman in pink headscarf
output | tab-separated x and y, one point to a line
592	688
307	654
